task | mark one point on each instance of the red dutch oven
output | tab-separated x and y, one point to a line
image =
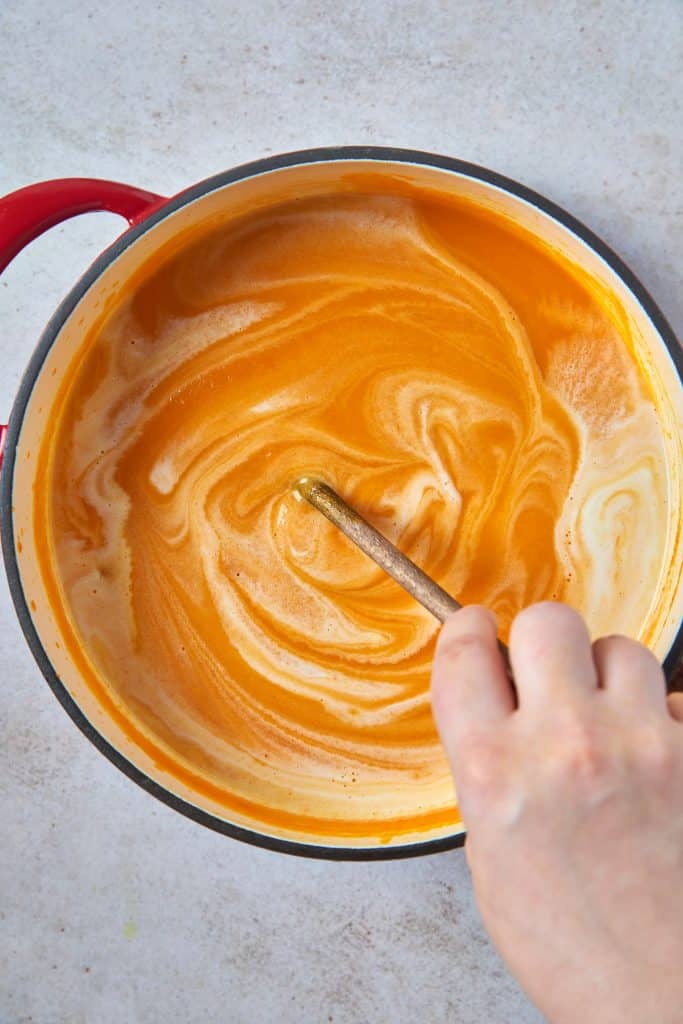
152	221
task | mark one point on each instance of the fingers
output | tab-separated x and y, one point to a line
551	655
630	671
552	659
470	688
675	702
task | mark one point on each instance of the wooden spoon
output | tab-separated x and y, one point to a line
397	565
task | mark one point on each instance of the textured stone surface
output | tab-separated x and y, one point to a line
112	907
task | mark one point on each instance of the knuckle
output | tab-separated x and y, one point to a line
453	647
615	640
481	768
623	655
580	755
604	645
675	704
586	762
545	613
657	756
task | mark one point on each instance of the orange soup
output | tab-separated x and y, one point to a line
473	394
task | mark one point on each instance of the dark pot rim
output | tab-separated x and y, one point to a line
54	326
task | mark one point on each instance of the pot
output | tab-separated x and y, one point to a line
153	222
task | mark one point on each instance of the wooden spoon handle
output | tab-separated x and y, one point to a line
421	586
397	565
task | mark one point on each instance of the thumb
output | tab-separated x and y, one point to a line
471	691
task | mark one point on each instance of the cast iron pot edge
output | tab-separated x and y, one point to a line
54	326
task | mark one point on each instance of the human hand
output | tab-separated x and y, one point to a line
573	802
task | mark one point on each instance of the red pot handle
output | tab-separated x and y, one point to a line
30	211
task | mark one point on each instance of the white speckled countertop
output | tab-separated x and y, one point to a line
113	908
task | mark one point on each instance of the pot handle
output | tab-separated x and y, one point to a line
30	211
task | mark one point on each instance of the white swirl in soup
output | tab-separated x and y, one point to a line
468	390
